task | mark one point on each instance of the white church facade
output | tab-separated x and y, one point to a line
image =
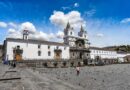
35	50
74	47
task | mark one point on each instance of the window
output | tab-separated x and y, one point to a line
39	46
99	51
64	48
73	54
18	47
57	47
80	45
48	47
49	53
70	33
39	53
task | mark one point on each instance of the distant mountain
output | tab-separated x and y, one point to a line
121	48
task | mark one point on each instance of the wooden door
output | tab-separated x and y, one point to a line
57	55
18	57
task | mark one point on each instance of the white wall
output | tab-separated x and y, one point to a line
106	54
121	56
30	50
103	54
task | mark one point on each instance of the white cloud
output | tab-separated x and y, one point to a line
3	24
60	19
12	24
76	4
66	8
126	20
60	34
99	35
90	13
39	35
12	33
51	36
33	33
28	26
114	33
11	30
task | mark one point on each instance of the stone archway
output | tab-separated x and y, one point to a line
17	53
57	54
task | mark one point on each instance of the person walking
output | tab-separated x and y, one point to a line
78	70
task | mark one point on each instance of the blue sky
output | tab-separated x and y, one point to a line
106	21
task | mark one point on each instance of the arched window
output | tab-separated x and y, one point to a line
48	47
39	46
85	36
49	53
18	47
64	48
39	53
70	33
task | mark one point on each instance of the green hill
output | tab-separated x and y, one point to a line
121	48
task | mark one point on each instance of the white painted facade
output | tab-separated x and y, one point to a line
30	50
121	56
103	54
107	54
30	47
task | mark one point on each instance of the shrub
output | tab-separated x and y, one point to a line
55	64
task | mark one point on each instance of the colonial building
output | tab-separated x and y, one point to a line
73	48
79	44
102	53
106	56
20	49
28	49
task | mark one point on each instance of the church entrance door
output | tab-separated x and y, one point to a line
17	53
57	54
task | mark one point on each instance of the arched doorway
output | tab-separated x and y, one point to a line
57	54
17	53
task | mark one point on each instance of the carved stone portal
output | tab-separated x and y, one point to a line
17	53
57	54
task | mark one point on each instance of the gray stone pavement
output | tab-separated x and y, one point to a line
109	77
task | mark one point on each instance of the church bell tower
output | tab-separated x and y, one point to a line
25	34
82	33
69	35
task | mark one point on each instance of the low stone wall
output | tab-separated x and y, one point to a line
50	63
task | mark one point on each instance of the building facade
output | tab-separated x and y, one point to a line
102	53
106	56
76	48
19	49
73	48
79	45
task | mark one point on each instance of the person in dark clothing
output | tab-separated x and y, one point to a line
13	64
